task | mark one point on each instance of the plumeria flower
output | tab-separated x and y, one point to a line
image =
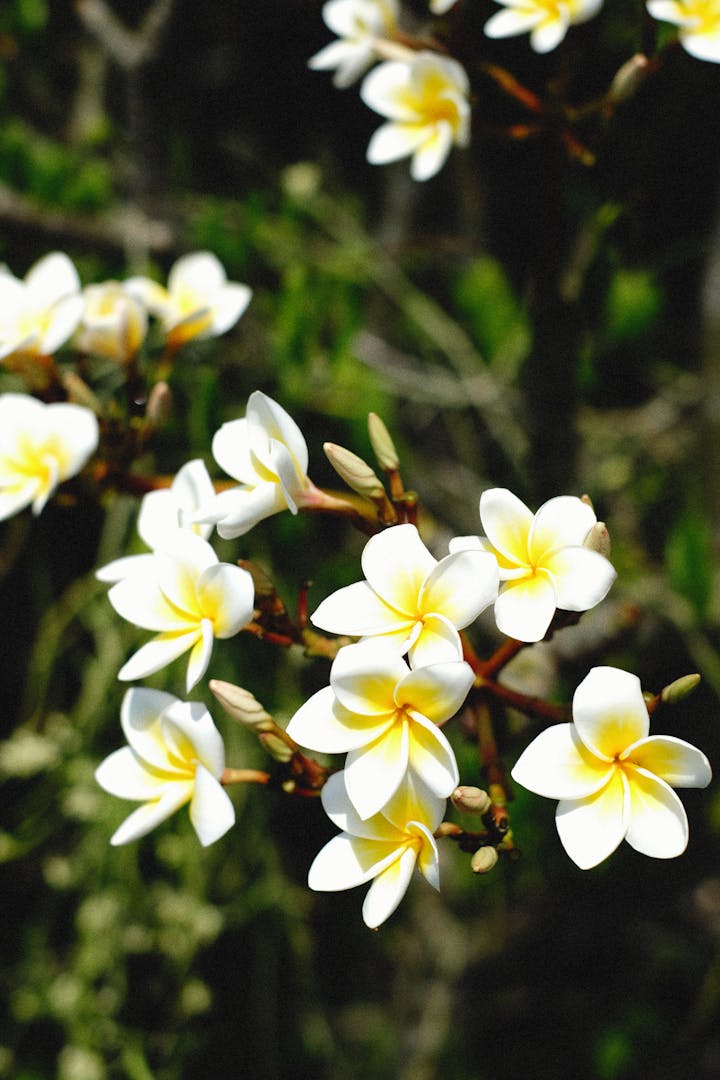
358	25
162	512
613	779
40	446
39	314
385	717
190	598
266	452
699	22
114	323
385	847
426	102
175	755
543	564
547	20
410	600
199	301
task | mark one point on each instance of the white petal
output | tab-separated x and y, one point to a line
666	10
548	35
200	273
119	569
437	691
322	724
227	595
139	599
437	643
190	720
123	774
263	413
582	577
432	153
609	711
151	814
524	608
231	450
77	427
509	23
431	757
676	762
658	823
413	802
460	586
704	46
558	765
347	861
373	773
507	523
238	510
140	717
364	677
228	306
590	829
52	278
357	610
337	806
200	653
395	140
385	91
388	889
560	522
396	564
211	810
157	654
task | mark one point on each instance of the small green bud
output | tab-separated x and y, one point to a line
679	689
471	800
382	444
356	473
629	78
484	859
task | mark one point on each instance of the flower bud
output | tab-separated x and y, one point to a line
483	860
79	393
471	800
679	689
242	706
276	746
159	406
382	444
598	539
628	78
356	473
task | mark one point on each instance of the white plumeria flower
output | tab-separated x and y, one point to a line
40	446
386	718
114	323
613	779
189	597
543	564
162	512
266	452
175	755
547	20
358	25
386	846
426	102
199	301
39	314
699	22
410	600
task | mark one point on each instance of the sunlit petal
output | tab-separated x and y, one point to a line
388	889
461	586
358	610
525	607
438	642
364	678
140	716
582	577
437	691
590	829
211	810
431	756
337	806
396	564
123	774
347	861
676	762
373	773
151	814
558	765
658	823
507	522
157	654
322	724
609	711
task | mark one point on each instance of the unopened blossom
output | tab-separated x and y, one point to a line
439	7
425	100
266	453
546	20
386	718
40	446
613	779
699	23
543	563
199	301
114	323
190	598
39	314
175	755
164	511
409	599
358	24
384	848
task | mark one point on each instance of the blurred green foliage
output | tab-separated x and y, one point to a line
520	318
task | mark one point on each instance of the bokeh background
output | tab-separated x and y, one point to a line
528	319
